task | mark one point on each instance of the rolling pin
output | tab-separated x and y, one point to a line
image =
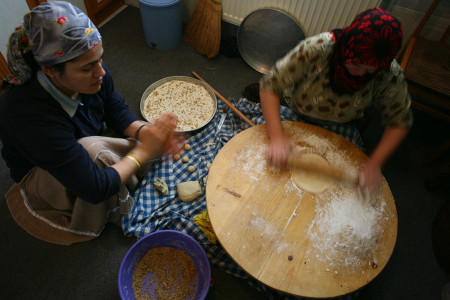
297	161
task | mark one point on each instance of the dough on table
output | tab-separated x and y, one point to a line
161	186
189	190
310	181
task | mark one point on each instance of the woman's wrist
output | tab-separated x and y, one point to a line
141	153
135	159
136	135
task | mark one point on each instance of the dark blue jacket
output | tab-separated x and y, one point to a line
37	132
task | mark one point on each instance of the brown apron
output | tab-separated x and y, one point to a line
43	207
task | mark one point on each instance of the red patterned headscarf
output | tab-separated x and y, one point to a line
373	39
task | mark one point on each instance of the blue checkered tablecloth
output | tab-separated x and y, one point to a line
152	211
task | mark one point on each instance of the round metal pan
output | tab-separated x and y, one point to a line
158	83
265	36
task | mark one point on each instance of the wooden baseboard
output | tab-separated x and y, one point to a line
134	3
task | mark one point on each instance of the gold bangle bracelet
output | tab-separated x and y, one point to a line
135	157
138	165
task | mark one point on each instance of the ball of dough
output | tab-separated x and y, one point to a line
176	157
189	190
187	147
161	186
185	159
191	169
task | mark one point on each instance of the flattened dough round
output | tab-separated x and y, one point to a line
312	181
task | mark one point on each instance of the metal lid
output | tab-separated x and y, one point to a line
265	36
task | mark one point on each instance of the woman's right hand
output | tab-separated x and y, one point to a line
159	137
279	149
279	146
155	139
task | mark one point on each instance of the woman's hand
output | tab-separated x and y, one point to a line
279	146
159	137
155	139
370	178
279	149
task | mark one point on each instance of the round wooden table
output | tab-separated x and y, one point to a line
275	230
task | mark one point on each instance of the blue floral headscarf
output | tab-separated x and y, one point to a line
54	32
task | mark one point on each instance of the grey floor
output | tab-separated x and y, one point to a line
32	269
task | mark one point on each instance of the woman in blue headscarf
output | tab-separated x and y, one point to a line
70	180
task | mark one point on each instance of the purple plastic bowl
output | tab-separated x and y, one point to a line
164	238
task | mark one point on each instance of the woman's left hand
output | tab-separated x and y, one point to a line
160	137
370	177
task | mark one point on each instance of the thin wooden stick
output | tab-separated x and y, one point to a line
226	101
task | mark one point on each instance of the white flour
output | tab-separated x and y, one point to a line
262	226
346	229
252	161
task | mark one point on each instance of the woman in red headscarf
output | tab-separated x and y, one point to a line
331	78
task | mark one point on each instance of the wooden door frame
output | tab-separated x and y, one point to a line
33	3
99	12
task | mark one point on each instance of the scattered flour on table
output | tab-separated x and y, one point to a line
252	160
346	229
281	247
265	228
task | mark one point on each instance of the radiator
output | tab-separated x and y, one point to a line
314	16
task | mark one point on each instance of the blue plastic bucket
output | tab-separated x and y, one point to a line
164	238
162	23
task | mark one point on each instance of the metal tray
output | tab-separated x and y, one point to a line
265	36
158	83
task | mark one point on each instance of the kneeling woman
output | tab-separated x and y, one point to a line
70	180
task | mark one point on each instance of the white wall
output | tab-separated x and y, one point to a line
79	4
11	16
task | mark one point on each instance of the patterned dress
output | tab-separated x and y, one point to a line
302	79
